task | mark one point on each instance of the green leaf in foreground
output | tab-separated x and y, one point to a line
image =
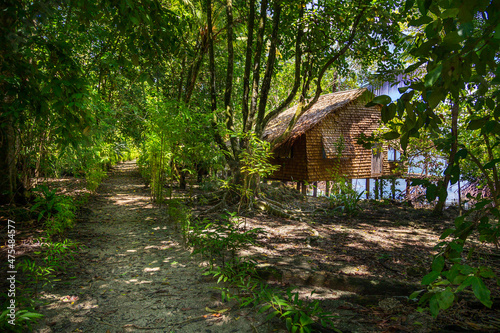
480	290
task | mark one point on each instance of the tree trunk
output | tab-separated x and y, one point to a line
8	176
213	95
248	64
271	59
443	186
256	67
229	77
297	78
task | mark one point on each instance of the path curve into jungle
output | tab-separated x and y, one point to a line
132	274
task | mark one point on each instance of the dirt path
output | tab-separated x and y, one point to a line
132	273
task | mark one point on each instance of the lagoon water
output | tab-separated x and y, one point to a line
360	186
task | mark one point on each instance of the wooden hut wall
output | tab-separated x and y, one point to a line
349	123
292	161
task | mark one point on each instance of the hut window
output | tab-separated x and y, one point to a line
337	147
284	152
393	155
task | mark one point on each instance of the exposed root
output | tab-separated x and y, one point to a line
264	204
271	208
274	203
218	207
208	198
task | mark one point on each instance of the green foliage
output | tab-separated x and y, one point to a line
298	314
215	240
178	140
25	319
254	165
36	275
344	197
36	272
451	273
255	160
40	271
94	178
240	276
453	99
242	282
56	211
180	214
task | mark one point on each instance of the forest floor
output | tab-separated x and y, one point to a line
363	268
133	274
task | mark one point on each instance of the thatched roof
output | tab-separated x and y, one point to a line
325	105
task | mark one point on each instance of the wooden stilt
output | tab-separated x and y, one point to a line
460	210
367	186
327	189
298	186
393	188
304	188
408	182
315	189
376	189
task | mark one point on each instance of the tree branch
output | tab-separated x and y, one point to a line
301	109
296	83
330	62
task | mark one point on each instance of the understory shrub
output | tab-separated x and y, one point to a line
344	197
36	271
94	177
217	239
453	271
57	212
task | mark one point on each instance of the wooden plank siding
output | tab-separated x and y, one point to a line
349	123
293	167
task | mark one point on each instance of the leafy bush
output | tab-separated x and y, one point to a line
344	198
210	185
451	272
299	315
40	271
37	271
25	318
241	276
214	240
94	177
56	211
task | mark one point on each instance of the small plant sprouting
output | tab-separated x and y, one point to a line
298	314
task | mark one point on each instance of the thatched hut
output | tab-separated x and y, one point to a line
323	141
